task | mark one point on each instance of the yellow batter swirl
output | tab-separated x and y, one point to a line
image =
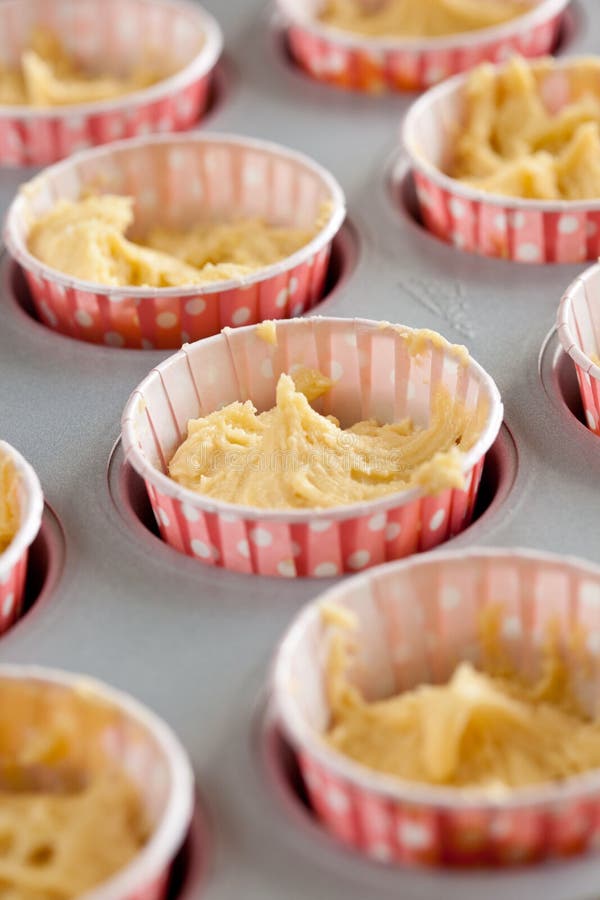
49	76
293	457
56	846
418	18
69	816
86	239
490	731
513	145
9	502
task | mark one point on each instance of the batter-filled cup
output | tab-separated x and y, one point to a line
71	734
110	37
520	230
380	371
417	620
27	500
578	324
376	64
177	182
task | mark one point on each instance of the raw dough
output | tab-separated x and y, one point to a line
9	502
481	730
69	818
512	145
48	76
418	18
86	239
293	457
63	844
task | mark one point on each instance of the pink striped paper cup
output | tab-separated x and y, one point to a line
527	231
578	325
109	35
377	64
125	734
376	374
417	619
13	562
175	182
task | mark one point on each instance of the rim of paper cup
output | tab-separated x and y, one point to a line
542	11
455	85
31	518
304	738
200	65
567	337
17	246
172	827
176	491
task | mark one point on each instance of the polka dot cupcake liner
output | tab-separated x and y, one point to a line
578	324
142	746
106	35
526	231
13	562
374	65
376	375
417	619
177	181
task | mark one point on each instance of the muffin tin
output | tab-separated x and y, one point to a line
195	643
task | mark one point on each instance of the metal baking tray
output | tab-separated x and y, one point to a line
195	643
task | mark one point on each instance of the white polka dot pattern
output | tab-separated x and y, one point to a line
8	604
359	559
491	228
261	537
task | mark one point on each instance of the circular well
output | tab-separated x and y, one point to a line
557	372
44	566
190	868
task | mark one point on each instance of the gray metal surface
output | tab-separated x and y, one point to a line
195	643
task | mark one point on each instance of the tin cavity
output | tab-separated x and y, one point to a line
557	372
402	190
190	868
44	566
571	26
345	251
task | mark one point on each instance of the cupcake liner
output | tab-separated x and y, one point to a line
526	231
13	562
375	376
578	324
417	620
177	180
363	63
107	34
146	750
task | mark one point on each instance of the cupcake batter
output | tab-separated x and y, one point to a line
69	818
418	18
48	76
61	845
86	239
477	730
513	145
9	502
293	457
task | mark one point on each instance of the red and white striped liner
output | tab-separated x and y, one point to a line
13	562
109	35
177	180
578	325
151	755
527	231
417	620
375	376
362	63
